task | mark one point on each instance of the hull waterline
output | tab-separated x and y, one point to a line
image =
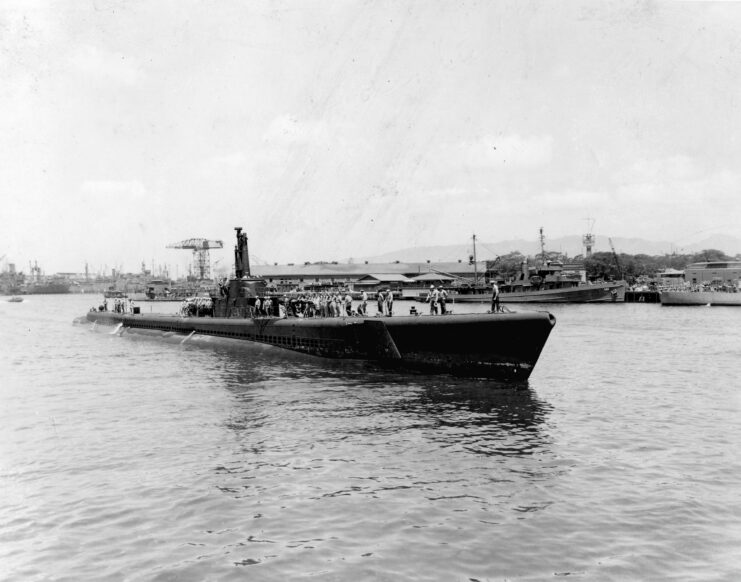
696	298
598	293
503	346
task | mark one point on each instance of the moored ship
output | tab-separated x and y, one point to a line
689	297
497	345
549	286
50	287
38	284
551	281
554	282
707	283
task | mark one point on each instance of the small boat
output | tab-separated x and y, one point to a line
493	345
15	299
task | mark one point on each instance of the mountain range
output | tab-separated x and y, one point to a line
570	245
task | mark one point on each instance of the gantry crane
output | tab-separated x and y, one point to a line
201	256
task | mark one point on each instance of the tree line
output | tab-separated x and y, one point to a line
607	266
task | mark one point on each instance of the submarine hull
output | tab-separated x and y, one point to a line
502	345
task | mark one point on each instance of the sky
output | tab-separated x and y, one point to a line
334	129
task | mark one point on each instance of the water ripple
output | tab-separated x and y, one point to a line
137	457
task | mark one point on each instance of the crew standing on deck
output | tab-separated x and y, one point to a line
363	309
495	298
432	298
442	297
381	299
389	302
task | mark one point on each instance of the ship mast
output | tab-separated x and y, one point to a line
542	246
475	267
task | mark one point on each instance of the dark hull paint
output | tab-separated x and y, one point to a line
50	289
503	345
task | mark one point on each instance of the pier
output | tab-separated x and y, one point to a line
641	296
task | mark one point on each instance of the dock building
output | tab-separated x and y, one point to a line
719	272
369	276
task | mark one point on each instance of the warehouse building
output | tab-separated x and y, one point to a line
371	276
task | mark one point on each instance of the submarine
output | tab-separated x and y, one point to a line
502	346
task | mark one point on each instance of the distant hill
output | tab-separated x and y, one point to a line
571	245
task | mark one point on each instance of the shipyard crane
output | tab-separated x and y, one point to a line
617	261
201	256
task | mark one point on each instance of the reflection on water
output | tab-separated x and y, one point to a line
298	421
349	454
502	422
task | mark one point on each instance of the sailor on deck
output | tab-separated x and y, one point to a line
495	298
432	298
363	309
381	299
442	296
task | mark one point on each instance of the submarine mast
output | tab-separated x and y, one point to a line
241	255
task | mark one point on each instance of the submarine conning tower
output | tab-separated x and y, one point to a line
237	298
241	255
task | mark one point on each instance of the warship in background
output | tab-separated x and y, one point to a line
38	284
551	282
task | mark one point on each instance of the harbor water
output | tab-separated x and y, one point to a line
152	457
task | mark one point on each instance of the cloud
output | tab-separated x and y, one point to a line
288	129
111	189
671	168
570	199
672	201
95	62
488	153
510	150
227	161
